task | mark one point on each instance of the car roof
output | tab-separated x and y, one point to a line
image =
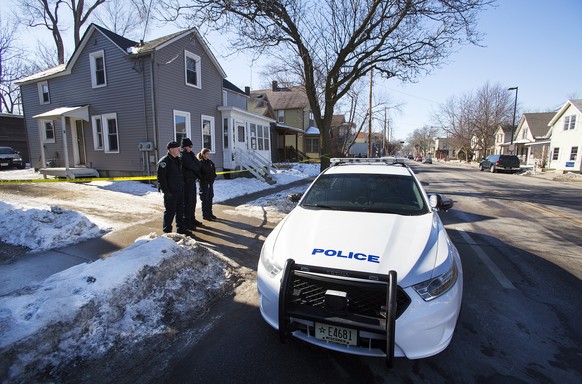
386	166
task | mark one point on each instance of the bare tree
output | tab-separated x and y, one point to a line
46	13
493	108
422	138
474	117
120	16
338	42
11	66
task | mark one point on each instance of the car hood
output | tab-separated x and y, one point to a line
361	241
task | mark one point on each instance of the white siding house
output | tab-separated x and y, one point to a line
566	138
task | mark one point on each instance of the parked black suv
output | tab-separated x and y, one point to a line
499	163
10	158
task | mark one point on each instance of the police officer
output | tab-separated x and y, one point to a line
207	177
191	172
171	183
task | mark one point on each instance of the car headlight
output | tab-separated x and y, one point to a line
433	288
267	259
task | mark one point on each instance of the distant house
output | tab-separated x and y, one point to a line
532	138
341	135
444	149
502	140
117	103
566	137
294	120
13	134
360	147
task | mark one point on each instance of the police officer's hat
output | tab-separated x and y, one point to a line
173	144
186	142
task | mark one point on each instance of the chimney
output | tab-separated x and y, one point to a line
274	86
247	90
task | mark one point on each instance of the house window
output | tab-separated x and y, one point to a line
43	92
98	75
311	119
569	122
556	154
48	131
182	128
97	133
281	116
524	134
224	98
253	135
312	144
111	133
208	138
241	132
192	67
225	133
573	153
266	138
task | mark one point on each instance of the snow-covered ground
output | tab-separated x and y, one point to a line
138	292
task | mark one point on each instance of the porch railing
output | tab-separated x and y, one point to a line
256	164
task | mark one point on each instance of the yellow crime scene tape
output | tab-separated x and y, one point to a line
90	179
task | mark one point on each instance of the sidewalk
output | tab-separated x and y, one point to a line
33	267
526	171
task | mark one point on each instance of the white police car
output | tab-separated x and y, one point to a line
363	264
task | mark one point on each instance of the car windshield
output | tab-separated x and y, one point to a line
366	193
6	151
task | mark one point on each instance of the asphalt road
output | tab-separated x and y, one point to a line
519	239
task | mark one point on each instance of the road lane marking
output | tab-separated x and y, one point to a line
504	281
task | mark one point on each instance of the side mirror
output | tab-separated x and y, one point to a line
440	202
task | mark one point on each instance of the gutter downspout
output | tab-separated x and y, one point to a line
154	117
145	114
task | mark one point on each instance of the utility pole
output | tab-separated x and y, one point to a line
384	133
370	118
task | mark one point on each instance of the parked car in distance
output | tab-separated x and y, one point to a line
410	157
500	163
418	158
9	158
427	160
377	274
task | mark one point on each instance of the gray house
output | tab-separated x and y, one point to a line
111	110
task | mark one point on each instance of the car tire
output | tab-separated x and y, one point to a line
481	167
492	169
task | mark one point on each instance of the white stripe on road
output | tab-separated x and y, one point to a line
504	281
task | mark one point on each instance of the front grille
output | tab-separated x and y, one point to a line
365	298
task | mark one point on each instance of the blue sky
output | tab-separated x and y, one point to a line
531	44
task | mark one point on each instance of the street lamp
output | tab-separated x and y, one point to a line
514	108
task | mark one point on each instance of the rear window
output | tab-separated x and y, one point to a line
509	158
366	193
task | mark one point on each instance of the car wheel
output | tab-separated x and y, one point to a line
492	169
481	167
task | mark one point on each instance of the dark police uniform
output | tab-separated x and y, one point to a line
171	183
191	172
207	177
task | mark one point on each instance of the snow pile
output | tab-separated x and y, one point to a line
158	285
154	288
45	228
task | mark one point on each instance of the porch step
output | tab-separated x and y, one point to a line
257	165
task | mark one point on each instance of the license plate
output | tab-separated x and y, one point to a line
4	164
340	335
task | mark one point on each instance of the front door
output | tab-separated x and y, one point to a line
241	135
79	154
